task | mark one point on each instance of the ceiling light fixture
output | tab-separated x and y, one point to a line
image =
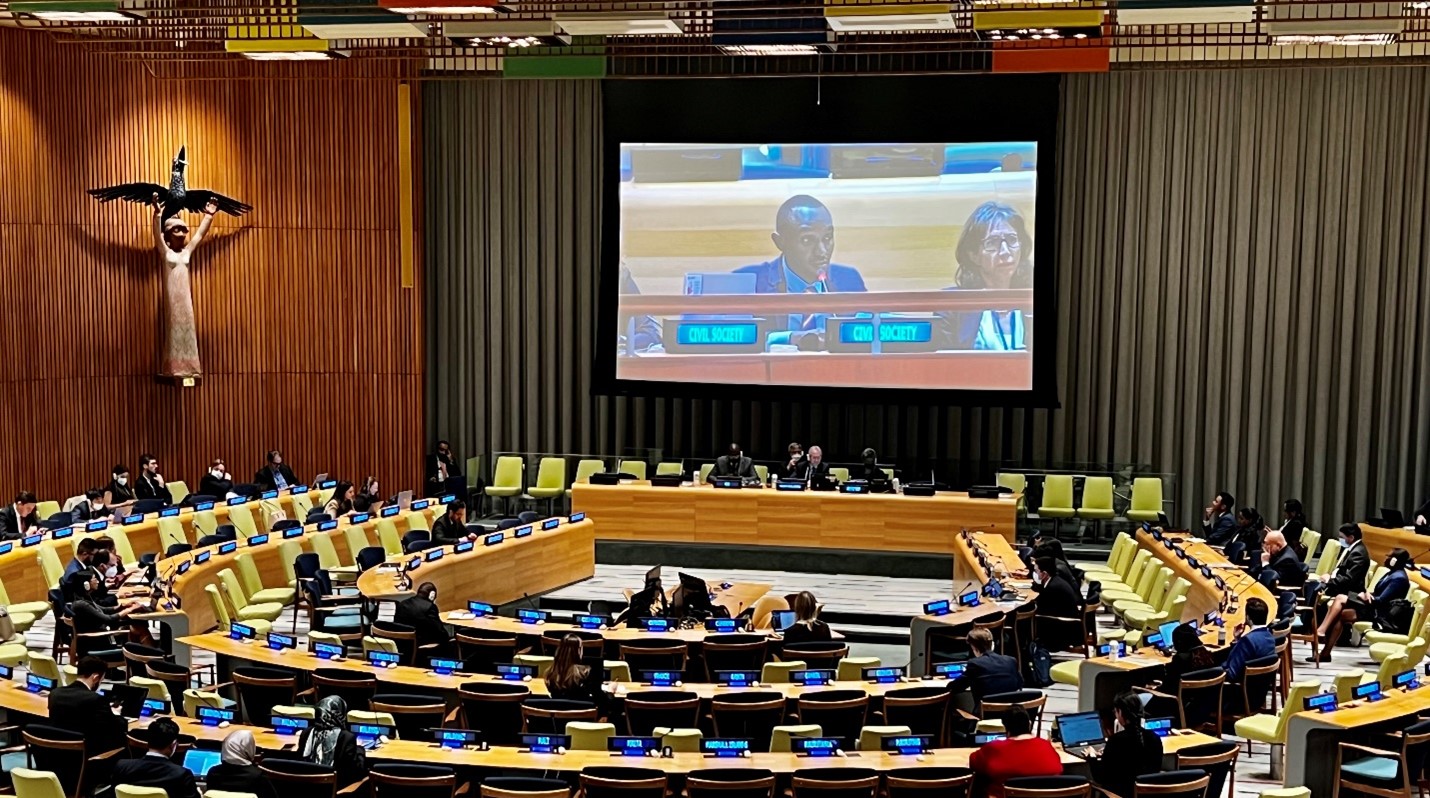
75	11
624	24
1339	39
435	11
769	49
300	55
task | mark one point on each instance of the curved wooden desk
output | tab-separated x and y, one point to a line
969	574
637	511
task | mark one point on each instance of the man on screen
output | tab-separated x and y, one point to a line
804	235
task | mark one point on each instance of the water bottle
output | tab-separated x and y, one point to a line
1220	633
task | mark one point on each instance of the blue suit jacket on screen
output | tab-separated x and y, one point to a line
770	277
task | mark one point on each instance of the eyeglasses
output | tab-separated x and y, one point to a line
992	244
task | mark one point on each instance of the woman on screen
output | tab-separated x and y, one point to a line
994	251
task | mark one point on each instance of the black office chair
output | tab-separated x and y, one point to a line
175	549
408	780
840	713
835	782
413	715
57	521
356	688
528	517
730	783
370	557
995	706
226	532
734	652
672	709
508	523
622	782
550	715
923	709
522	787
296	778
1217	759
316	516
415	536
146	506
260	689
929	782
752	716
494	708
210	540
286	523
481	650
1047	787
65	754
1172	784
245	489
195	499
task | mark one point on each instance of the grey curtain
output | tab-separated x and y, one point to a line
1241	276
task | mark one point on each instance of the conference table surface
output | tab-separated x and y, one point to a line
970	574
703	514
953	370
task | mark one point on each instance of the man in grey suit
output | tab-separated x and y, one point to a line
733	464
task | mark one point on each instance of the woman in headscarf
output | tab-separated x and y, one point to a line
237	771
328	742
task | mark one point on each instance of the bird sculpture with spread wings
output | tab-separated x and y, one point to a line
177	197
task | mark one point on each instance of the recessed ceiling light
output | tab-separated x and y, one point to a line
450	11
769	49
299	55
1341	39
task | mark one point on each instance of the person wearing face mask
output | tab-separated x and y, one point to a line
420	612
91	508
276	475
217	482
151	482
1131	751
1363	605
444	475
797	465
1347	577
1057	598
119	493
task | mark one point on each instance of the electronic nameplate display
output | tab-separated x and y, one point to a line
737	678
724	746
550	523
816	746
906	744
632	746
544	743
213	716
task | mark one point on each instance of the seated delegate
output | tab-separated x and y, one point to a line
987	672
1130	752
807	628
1022	754
419	611
734	463
275	474
157	768
328	742
1363	605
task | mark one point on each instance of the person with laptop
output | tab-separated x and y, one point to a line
734	463
237	770
157	767
807	628
1022	754
987	672
451	528
77	707
119	493
1130	752
342	501
275	474
1253	641
91	507
818	471
648	602
804	235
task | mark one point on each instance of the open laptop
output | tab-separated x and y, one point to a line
129	698
200	762
1392	517
1082	733
404	500
782	619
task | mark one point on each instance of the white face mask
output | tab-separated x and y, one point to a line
216	473
122	480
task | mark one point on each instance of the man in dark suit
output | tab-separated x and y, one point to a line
420	612
1057	598
1253	641
216	482
157	767
78	708
1219	520
151	482
276	474
443	474
804	235
1349	574
451	528
988	672
818	469
1279	564
734	464
17	519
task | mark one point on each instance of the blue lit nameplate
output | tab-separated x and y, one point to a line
213	716
433	555
131	520
268	494
228	547
662	678
737	678
444	667
1158	726
368	733
532	616
257	540
940	607
359	518
6	547
854	487
455	738
969	599
6	672
480	609
278	642
883	675
293	532
592	621
202	506
493	539
550	523
236	500
950	670
1370	691
790	484
414	563
1154	640
420	504
655	624
577	517
1207	571
328	526
906	744
523	531
1323	702
38	684
544	743
328	650
1106	649
515	673
152	707
1192	561
724	746
390	511
184	567
815	746
723	625
241	631
812	678
285	725
992	737
632	746
464	546
62	532
96	526
168	512
895	335
327	483
299	489
383	659
744	336
448	499
1405	679
203	557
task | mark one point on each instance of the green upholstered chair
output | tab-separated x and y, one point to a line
1146	499
507	478
1057	501
550	482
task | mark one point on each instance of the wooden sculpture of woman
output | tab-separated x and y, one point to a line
180	357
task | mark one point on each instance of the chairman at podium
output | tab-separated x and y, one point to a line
733	464
804	235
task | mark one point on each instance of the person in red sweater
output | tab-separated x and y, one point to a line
1022	754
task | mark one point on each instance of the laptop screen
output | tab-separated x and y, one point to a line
199	762
1166	629
1080	728
782	619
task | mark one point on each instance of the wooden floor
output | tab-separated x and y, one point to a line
857	595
